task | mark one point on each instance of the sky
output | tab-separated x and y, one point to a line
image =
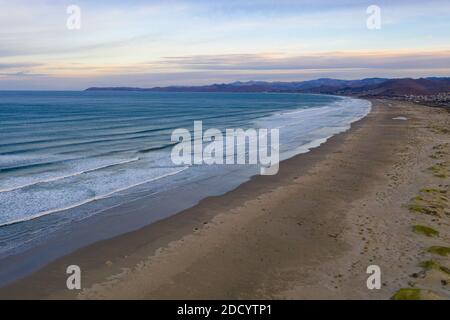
159	43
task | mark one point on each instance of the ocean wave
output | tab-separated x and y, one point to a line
165	146
34	165
92	199
53	179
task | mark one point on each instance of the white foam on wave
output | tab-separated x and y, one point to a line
92	199
70	175
304	129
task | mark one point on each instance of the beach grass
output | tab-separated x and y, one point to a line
441	130
429	265
439	250
431	201
429	232
414	294
440	170
433	265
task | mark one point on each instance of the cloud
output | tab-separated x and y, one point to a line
156	42
4	66
201	78
24	74
332	60
206	69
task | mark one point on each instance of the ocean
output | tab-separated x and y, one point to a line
67	157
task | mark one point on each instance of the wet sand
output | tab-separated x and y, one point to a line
309	232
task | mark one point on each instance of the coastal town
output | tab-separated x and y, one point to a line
434	100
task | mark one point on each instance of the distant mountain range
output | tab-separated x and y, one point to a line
363	87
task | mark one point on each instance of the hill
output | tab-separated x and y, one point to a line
363	87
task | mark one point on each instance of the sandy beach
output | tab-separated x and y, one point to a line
369	196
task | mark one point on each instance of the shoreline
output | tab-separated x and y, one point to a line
260	240
128	216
